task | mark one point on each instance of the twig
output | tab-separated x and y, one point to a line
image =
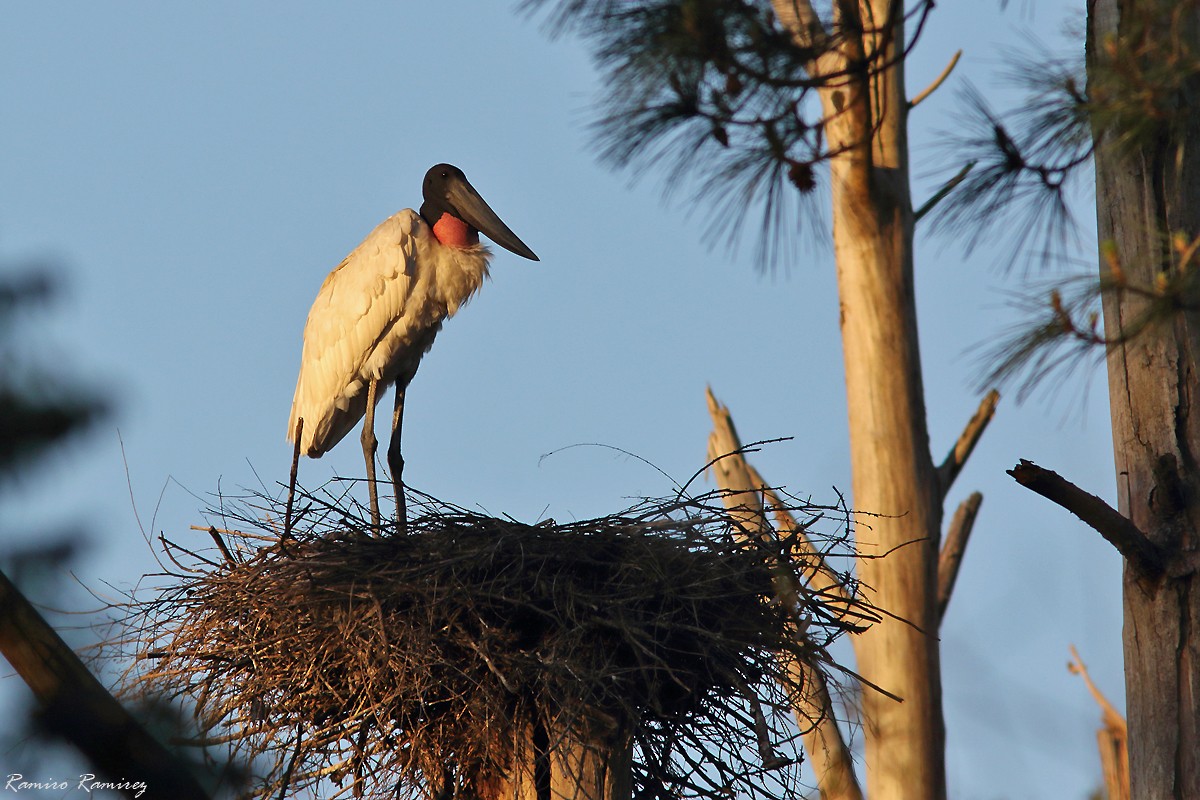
958	455
762	733
1143	555
941	193
955	544
821	578
286	780
221	544
931	88
228	532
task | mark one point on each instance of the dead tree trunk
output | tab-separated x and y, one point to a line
564	770
746	495
1146	195
892	469
893	474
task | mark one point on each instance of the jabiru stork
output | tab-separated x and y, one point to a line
377	314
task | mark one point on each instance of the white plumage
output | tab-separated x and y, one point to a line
378	312
375	317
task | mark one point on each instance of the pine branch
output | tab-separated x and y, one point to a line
1063	324
1024	163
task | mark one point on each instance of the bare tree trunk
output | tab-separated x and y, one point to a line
893	474
893	471
1146	195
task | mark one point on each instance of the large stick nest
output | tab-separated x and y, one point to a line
416	663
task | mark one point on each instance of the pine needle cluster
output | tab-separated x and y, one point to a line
1130	93
719	98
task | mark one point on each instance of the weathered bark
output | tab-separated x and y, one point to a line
893	473
1145	195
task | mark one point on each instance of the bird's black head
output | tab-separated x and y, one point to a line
435	191
447	192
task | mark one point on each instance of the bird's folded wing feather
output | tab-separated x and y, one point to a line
358	302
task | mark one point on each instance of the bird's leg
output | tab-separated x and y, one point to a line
287	518
369	444
396	461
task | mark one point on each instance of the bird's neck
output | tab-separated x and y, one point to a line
453	232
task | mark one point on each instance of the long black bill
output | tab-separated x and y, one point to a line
475	212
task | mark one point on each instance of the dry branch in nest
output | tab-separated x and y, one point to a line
416	664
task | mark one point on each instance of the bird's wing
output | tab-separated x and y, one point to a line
357	304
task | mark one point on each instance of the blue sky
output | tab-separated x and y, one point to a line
197	169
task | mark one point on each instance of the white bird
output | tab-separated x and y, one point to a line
378	312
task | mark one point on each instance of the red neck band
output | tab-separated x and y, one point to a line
453	232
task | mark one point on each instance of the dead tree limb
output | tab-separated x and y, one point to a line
1112	738
937	82
953	548
744	494
737	476
1143	555
75	705
958	455
821	577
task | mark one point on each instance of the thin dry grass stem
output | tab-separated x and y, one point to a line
417	664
